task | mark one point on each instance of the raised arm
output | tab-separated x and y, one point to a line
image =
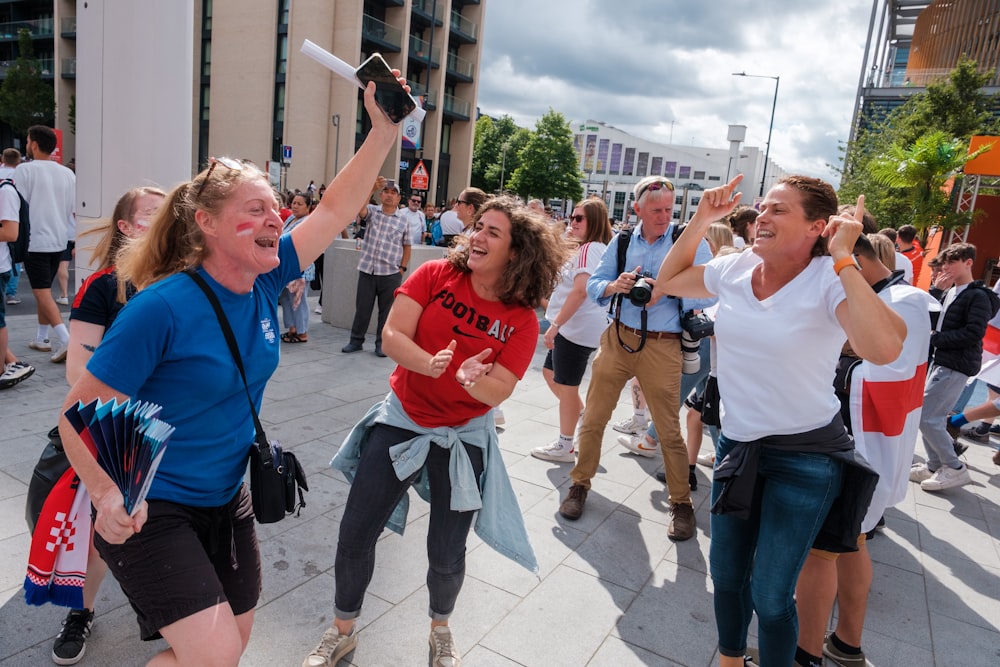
346	193
678	275
874	330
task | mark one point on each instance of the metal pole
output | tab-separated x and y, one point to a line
503	165
336	146
774	104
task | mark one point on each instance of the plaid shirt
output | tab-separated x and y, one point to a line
382	250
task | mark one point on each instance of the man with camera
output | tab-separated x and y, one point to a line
642	341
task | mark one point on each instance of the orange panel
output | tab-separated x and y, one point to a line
987	164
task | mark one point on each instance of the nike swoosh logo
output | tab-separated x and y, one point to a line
462	333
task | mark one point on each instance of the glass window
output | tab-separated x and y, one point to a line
283	12
627	168
446	138
279	103
640	167
699	176
670	169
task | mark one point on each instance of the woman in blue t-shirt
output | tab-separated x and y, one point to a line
188	560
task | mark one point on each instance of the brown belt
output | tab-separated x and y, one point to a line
652	335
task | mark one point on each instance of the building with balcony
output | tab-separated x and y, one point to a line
257	92
914	42
52	25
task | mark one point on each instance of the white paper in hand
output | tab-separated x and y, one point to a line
338	66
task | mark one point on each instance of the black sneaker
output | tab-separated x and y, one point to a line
71	642
959	446
977	434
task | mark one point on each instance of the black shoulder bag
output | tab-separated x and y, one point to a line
275	475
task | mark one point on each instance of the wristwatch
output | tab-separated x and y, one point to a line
402	268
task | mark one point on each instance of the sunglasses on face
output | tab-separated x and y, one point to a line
577	218
227	162
654	186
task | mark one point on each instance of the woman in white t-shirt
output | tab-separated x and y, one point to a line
784	310
575	324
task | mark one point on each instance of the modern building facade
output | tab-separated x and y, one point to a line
914	42
255	92
613	161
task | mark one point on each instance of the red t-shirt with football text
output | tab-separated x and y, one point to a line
453	311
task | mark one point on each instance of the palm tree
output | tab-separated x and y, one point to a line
922	169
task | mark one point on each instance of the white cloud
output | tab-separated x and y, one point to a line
640	64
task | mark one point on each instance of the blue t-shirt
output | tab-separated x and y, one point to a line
166	346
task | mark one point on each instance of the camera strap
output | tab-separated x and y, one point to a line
642	332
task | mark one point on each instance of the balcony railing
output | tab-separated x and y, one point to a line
37	28
67	25
456	107
463	26
421	50
429	95
427	8
46	66
68	68
381	32
917	78
460	66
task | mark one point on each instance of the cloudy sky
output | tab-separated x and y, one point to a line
640	64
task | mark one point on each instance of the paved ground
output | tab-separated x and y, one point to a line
612	590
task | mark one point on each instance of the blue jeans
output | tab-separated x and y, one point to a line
374	494
755	562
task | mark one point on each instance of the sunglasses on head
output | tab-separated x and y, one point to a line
654	186
227	162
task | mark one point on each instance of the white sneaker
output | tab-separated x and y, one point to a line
59	353
554	452
638	444
919	472
318	310
498	418
631	426
947	477
63	301
707	460
40	345
15	372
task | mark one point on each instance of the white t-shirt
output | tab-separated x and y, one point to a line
777	357
450	224
590	320
417	222
904	264
6	172
50	190
10	207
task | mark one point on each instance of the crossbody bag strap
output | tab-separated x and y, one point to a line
227	331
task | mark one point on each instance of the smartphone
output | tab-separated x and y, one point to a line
389	94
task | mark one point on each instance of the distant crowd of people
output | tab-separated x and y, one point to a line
791	330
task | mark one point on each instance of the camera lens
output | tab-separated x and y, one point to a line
690	354
640	294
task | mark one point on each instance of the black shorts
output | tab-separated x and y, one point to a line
568	361
67	255
187	559
41	268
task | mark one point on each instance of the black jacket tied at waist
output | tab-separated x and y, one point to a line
737	473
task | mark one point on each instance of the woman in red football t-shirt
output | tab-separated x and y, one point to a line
463	331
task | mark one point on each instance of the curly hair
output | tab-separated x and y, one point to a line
174	241
539	253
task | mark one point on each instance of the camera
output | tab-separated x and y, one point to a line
698	325
641	292
690	354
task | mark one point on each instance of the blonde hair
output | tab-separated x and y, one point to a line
111	239
719	235
884	249
174	241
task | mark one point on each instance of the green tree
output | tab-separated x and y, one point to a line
548	162
954	106
495	152
25	99
921	170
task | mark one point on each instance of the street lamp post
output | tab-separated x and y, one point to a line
336	146
503	165
774	104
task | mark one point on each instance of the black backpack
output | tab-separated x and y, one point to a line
19	248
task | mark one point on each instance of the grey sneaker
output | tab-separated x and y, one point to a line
838	657
332	648
443	651
71	642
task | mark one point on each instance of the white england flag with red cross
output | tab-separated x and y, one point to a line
886	401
